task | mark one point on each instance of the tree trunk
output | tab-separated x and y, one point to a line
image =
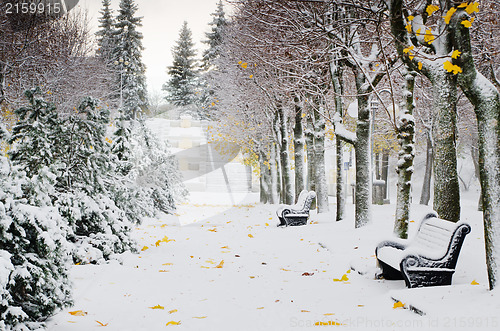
311	174
362	151
426	186
336	73
385	174
406	138
275	189
319	162
486	100
286	167
446	184
264	179
298	134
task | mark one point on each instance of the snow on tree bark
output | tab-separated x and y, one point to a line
336	73
298	134
311	166
446	183
275	187
426	186
406	138
319	162
486	100
286	168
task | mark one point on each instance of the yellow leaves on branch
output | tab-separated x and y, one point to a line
420	65
472	7
450	67
456	54
408	49
468	23
449	14
429	37
431	9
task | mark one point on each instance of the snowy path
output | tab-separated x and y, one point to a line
233	269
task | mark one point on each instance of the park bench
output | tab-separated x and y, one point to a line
297	214
427	260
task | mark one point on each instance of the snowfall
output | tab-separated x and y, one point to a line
221	263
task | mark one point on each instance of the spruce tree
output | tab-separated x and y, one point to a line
182	86
127	57
105	38
214	37
214	42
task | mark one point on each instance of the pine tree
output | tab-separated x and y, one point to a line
105	38
214	37
127	57
214	42
181	87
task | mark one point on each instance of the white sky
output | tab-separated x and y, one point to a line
162	20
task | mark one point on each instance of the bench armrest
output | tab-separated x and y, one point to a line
398	244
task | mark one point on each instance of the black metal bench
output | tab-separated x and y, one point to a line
427	260
297	214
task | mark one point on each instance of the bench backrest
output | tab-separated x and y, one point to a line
443	238
303	202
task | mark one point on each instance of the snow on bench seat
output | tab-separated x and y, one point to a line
427	260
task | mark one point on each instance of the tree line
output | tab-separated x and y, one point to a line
288	70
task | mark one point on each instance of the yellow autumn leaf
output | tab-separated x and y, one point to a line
240	62
199	317
167	264
431	9
466	23
472	7
474	283
244	65
328	314
449	14
250	235
225	247
456	54
212	230
173	311
408	27
145	248
163	271
284	269
418	31
304	311
173	323
102	324
219	266
267	224
343	279
158	243
450	67
429	37
420	65
462	5
251	76
408	49
398	304
78	313
410	18
260	308
157	307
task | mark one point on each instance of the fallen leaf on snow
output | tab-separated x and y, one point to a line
284	269
343	279
398	304
474	283
163	270
157	307
304	311
173	323
212	230
308	274
225	247
78	313
328	314
327	323
260	308
173	311
145	248
199	317
167	264
220	264
102	324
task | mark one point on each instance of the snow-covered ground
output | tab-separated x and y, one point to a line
230	268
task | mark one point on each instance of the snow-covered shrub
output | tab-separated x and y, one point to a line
33	255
